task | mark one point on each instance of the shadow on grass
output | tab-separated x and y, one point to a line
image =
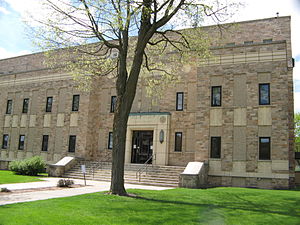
241	204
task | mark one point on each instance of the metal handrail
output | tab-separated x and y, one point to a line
100	162
144	168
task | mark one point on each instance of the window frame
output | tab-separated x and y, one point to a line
260	153
213	154
113	101
45	143
75	107
212	95
49	106
259	93
9	103
178	142
25	107
5	141
177	101
72	143
21	145
110	140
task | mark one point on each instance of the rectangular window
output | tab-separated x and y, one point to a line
113	103
25	105
178	141
5	141
216	96
264	94
45	143
9	107
72	143
49	104
215	147
21	142
248	42
110	140
75	103
179	101
268	40
264	148
230	44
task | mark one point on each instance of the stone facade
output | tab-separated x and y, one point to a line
249	53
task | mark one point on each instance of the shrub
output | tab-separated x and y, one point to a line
31	166
65	183
4	189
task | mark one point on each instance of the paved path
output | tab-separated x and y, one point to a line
92	186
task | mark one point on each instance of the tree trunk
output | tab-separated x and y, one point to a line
126	89
118	153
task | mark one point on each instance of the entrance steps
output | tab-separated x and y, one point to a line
167	176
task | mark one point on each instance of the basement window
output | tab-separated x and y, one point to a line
270	40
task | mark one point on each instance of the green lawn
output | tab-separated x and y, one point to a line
8	177
177	206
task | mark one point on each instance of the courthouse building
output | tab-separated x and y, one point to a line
233	111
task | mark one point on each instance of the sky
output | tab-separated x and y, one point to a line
14	41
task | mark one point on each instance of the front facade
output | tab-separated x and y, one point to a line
233	111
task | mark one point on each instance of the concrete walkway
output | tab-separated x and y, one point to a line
92	186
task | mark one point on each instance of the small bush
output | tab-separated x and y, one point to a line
31	166
65	183
4	189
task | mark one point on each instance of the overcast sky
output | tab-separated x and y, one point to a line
13	40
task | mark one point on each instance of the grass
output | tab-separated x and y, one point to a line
8	177
176	206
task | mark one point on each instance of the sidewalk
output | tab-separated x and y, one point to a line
92	186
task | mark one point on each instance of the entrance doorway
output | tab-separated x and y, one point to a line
142	146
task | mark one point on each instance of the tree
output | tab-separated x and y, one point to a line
121	38
297	127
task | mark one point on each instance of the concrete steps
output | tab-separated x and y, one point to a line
155	175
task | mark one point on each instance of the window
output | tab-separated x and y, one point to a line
45	143
9	107
230	44
72	143
248	42
75	103
49	104
21	142
268	40
110	140
215	147
113	103
264	94
25	105
216	96
179	101
178	141
5	141
264	148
